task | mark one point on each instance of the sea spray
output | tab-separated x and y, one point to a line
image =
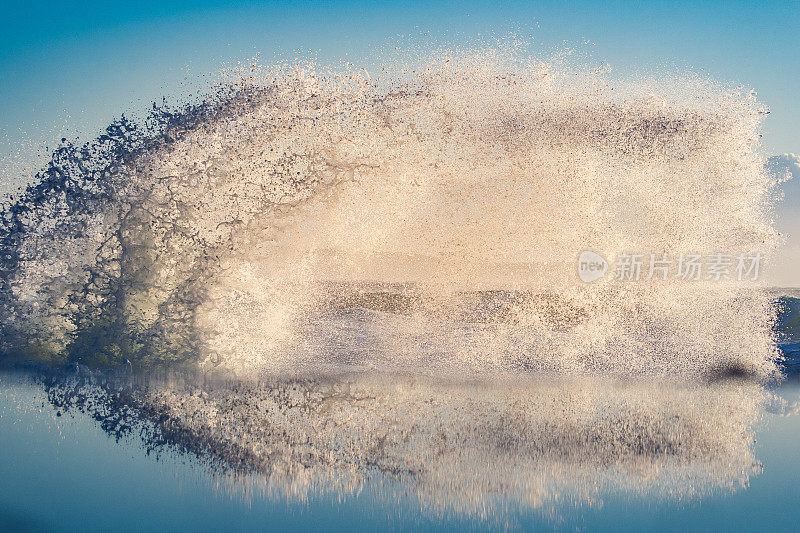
427	220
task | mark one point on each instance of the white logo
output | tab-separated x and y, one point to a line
591	266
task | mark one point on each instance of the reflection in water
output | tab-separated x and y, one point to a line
474	449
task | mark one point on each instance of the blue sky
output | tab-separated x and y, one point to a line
70	68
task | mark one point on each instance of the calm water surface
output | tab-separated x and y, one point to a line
65	473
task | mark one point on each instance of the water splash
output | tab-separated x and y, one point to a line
427	220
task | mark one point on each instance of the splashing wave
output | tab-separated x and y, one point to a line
428	221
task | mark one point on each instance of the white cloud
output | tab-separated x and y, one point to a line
785	166
786	169
785	267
